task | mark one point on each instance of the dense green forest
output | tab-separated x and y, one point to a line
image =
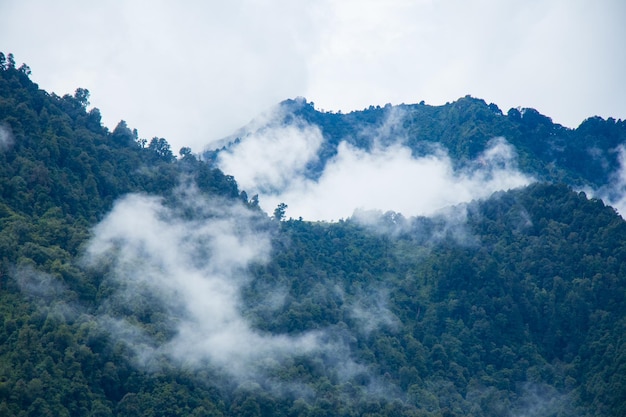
585	156
516	306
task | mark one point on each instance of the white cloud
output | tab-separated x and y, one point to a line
6	137
387	177
371	311
614	193
193	72
266	160
392	179
194	269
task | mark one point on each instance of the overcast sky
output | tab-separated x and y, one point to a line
194	71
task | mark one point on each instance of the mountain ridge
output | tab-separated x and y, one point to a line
135	283
581	157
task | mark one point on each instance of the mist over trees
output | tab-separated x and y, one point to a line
137	283
579	157
323	165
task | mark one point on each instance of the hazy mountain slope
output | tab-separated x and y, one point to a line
133	283
61	171
504	310
585	156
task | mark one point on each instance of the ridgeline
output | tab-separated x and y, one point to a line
520	309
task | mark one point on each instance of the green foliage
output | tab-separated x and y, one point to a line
470	325
585	156
60	171
520	308
279	212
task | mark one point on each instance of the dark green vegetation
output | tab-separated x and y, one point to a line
585	156
520	309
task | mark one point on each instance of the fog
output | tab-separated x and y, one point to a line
268	161
273	161
174	270
47	292
614	193
6	137
192	260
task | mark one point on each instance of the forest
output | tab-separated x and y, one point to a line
585	156
139	282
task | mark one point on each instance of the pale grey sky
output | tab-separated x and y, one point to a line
194	71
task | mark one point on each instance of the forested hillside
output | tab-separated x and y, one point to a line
585	156
137	283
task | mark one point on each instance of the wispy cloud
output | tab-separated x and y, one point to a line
614	193
192	267
370	310
47	291
267	160
385	177
536	400
6	137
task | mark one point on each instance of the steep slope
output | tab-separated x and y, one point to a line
60	172
134	283
513	308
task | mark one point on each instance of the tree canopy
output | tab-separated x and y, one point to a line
517	309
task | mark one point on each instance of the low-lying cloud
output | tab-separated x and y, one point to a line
47	292
189	265
387	177
371	311
614	193
267	161
6	137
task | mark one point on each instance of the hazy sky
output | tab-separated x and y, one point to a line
194	71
